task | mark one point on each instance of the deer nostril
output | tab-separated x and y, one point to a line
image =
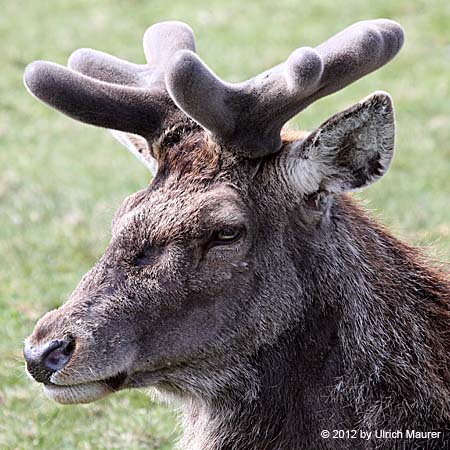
58	354
44	360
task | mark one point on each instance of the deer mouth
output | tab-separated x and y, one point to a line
85	392
92	391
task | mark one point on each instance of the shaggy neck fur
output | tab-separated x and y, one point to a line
370	353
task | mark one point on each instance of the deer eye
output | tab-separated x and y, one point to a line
226	235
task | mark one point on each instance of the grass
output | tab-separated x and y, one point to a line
60	181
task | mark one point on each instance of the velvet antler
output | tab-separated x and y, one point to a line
248	116
108	92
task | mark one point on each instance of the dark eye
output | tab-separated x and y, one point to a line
227	235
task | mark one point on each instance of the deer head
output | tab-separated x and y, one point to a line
216	257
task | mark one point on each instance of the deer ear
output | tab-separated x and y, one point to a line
139	147
351	150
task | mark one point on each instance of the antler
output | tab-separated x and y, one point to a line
248	116
109	92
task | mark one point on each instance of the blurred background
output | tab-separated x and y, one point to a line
61	181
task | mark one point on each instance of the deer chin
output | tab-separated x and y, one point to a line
84	392
78	393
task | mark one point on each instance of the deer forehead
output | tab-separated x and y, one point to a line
165	214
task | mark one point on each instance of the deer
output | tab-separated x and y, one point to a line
245	283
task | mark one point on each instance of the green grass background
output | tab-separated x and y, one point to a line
61	181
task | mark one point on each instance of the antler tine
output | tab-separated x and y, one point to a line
164	39
139	111
105	67
160	42
357	51
102	90
249	116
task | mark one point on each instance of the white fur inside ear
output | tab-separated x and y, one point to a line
125	140
304	173
351	150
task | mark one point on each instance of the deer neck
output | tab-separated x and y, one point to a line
293	403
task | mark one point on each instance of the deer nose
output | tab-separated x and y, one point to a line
44	360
